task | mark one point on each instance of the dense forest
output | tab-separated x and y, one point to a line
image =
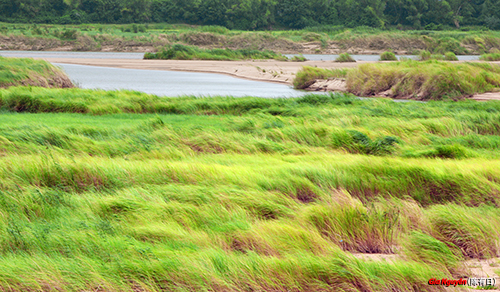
260	14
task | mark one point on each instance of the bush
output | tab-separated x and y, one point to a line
388	56
308	75
299	58
426	248
475	234
345	57
423	80
182	52
424	55
450	56
490	57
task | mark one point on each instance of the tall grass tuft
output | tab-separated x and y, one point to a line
388	56
308	75
450	56
29	72
490	57
423	80
344	58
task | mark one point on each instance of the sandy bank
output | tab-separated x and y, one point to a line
267	70
271	71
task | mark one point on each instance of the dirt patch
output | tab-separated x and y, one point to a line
333	84
486	96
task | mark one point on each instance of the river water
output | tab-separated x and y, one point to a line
170	83
163	83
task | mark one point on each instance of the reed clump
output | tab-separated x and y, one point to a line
29	72
184	52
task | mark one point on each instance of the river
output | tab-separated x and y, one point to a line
170	83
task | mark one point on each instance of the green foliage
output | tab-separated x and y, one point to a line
345	57
388	56
25	71
299	58
490	57
428	249
450	56
424	55
120	190
423	80
308	75
182	52
474	232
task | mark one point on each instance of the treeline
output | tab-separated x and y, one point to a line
260	14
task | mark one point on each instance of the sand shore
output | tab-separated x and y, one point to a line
270	71
267	71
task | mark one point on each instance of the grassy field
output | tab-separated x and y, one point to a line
137	37
124	191
421	80
17	71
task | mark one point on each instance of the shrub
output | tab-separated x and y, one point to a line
345	57
475	234
388	56
423	80
490	57
308	75
182	52
450	56
423	247
299	58
424	55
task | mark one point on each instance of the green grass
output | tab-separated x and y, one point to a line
308	75
490	57
24	71
95	37
344	57
182	52
450	56
388	56
424	80
125	191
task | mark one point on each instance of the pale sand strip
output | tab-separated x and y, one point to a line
271	71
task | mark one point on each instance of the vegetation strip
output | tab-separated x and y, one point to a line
23	71
318	39
410	79
181	52
244	191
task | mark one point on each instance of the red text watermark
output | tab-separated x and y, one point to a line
474	282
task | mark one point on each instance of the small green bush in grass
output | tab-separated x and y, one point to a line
424	55
388	56
423	247
344	58
299	58
490	57
450	56
308	75
182	52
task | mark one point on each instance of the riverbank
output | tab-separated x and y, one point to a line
108	38
29	72
265	70
269	71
